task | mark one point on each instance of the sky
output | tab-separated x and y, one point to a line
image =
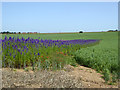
55	17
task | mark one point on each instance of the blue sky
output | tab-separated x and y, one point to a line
50	17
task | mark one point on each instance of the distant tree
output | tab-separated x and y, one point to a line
7	32
3	32
11	32
19	32
110	31
80	31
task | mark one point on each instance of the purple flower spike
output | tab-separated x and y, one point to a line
16	46
38	54
10	38
25	47
5	37
14	56
18	50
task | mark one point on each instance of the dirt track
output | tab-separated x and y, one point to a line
69	77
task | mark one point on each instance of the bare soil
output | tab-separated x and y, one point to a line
69	77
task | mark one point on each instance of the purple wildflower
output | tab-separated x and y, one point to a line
38	54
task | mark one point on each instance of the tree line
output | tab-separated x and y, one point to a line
112	30
7	32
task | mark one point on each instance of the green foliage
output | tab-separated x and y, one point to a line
102	57
106	74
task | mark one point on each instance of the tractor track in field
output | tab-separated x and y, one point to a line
69	77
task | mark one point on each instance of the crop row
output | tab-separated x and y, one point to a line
21	52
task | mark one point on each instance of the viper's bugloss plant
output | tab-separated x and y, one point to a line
21	52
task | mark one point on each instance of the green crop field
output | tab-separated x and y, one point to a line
102	57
